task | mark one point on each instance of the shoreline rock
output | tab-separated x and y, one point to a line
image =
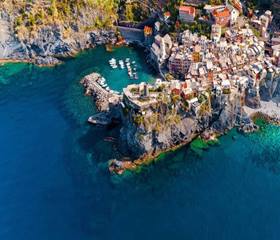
141	142
48	45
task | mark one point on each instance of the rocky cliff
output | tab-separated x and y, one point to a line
43	31
164	127
270	87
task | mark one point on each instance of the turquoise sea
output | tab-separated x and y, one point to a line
54	183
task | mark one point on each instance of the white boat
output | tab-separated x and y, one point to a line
103	85
113	62
130	74
107	88
121	62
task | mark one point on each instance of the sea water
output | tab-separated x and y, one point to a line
54	182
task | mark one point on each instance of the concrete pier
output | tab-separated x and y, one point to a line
104	98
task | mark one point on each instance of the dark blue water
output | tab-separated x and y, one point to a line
54	183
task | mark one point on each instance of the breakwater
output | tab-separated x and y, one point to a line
104	97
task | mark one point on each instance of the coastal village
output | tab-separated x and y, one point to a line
217	64
209	82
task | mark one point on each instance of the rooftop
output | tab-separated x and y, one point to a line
224	12
188	9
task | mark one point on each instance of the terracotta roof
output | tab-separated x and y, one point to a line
167	14
187	9
221	13
148	30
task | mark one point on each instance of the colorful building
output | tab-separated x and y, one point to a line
187	14
222	16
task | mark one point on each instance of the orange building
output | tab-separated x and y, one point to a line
222	16
167	15
148	31
187	13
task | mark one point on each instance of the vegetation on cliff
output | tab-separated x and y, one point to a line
74	15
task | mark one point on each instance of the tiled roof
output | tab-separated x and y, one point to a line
221	13
187	9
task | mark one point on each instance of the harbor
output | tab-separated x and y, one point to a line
70	154
127	64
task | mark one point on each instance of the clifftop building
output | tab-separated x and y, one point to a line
222	16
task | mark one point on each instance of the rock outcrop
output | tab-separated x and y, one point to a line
270	87
144	138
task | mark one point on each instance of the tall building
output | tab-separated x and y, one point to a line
216	32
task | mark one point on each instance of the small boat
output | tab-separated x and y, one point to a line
135	76
96	121
101	81
121	64
133	62
107	88
127	60
110	139
113	63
